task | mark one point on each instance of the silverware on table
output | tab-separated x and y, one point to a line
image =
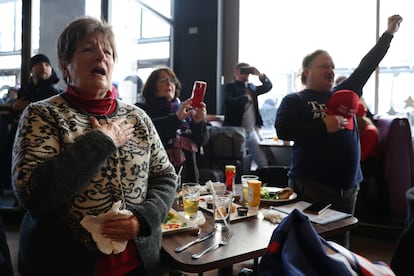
200	239
224	241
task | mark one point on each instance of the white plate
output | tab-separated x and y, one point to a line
276	189
233	216
178	223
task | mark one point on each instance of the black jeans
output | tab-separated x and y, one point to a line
343	200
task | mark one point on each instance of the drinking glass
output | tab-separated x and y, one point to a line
191	197
222	210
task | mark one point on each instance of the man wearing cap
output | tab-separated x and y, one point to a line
325	164
42	85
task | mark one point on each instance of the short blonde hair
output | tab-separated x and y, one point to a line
78	30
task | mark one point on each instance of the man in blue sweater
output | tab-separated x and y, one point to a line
325	158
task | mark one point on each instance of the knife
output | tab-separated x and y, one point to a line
200	239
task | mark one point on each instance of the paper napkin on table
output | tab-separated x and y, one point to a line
272	215
93	225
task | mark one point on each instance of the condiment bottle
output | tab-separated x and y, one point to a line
230	176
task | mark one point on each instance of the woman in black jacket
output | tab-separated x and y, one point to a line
181	127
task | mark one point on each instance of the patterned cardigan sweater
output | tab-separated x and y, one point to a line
64	170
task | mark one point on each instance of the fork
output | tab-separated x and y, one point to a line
224	241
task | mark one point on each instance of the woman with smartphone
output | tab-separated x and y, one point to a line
181	126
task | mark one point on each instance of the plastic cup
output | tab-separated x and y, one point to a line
191	197
222	209
244	179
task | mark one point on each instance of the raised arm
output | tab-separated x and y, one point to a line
370	61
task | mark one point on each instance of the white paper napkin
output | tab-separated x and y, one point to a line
93	225
272	215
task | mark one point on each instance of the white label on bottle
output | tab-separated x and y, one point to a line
250	194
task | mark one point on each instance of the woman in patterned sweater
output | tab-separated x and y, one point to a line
78	153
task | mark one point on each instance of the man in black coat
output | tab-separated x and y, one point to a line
42	85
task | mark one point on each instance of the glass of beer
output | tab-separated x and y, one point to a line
191	197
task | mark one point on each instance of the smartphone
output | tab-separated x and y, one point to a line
199	90
246	70
316	208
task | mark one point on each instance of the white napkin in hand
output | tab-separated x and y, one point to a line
93	225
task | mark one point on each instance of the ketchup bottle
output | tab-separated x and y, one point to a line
230	176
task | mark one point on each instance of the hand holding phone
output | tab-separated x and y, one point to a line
246	70
199	90
316	208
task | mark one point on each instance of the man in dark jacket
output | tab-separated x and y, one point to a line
241	107
42	85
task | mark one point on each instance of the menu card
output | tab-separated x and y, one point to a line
326	217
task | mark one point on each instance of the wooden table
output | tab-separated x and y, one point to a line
250	240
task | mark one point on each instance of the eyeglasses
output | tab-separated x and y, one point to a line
325	66
172	80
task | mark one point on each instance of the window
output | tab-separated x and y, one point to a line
10	39
143	42
10	42
275	36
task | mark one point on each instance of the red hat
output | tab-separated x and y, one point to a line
361	110
344	103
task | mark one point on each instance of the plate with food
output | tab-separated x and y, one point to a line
175	222
237	212
276	194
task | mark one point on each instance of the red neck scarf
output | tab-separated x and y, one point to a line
104	106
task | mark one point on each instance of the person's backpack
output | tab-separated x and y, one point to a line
226	146
226	142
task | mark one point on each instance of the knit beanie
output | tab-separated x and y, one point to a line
38	58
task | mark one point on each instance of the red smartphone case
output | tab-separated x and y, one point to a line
199	90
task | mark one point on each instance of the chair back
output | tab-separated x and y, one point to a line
396	150
226	142
226	146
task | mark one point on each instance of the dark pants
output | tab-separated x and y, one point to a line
343	200
402	260
6	267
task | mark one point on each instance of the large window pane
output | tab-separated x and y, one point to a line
143	38
10	26
397	71
275	36
93	8
10	43
154	26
